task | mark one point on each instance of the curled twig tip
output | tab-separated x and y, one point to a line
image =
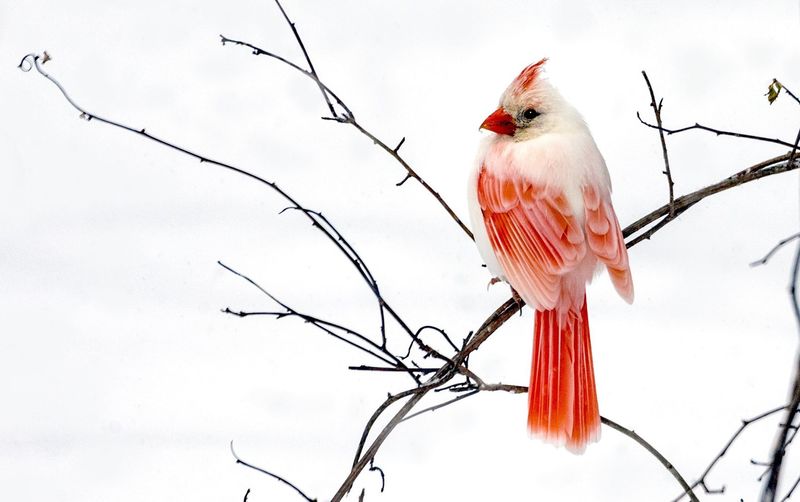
27	62
233	452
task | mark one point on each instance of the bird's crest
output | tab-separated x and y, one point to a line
527	77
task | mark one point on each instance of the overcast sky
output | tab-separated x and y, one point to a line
120	379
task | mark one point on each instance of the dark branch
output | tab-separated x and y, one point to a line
441	405
779	449
774	249
268	473
718	132
350	119
308	59
647	446
318	221
374	468
373	348
667	172
391	369
774	81
791	490
701	481
776	165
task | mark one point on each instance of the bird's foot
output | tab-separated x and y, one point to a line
518	299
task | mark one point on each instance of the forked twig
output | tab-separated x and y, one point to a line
349	118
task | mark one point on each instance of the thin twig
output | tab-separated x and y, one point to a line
374	349
318	221
794	149
776	165
647	446
268	473
667	172
350	119
718	132
375	468
784	88
775	248
770	489
779	449
441	405
791	490
701	481
308	59
391	369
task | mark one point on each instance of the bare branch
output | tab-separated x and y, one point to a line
718	132
794	149
791	490
268	473
391	369
308	59
779	449
441	405
774	249
350	119
374	468
317	219
647	446
780	86
701	481
374	349
667	172
776	165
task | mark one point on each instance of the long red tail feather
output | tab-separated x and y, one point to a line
562	400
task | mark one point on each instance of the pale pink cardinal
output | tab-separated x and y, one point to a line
540	203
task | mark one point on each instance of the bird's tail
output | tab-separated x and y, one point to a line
562	401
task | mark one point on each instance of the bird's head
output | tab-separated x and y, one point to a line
530	107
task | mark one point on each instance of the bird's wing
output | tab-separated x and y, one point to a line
534	234
605	238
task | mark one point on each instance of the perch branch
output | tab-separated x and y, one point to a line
776	165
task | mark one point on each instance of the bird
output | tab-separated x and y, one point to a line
540	207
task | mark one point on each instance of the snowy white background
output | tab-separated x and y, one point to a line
121	380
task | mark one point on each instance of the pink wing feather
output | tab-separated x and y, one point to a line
540	244
535	235
605	239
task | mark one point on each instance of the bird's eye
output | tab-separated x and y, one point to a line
530	114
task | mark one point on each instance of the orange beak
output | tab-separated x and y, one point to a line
500	122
